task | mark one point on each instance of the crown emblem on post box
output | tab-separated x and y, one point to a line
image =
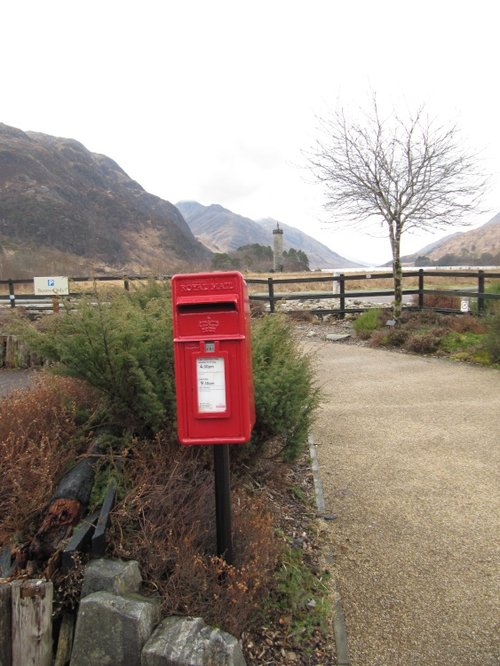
209	325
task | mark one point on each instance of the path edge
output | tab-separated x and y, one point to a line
339	627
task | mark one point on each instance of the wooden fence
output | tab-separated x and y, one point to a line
340	293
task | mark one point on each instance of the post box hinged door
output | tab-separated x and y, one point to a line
212	354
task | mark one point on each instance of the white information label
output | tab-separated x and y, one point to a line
211	382
51	286
464	305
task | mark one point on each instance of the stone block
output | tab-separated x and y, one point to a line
336	337
11	352
112	630
115	576
23	355
188	641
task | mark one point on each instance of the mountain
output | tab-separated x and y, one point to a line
65	210
468	246
436	244
220	229
224	231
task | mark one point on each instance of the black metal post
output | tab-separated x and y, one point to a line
223	502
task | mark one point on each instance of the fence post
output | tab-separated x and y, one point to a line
32	622
421	289
12	295
270	286
342	295
480	289
126	284
5	624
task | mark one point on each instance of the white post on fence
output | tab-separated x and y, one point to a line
32	622
336	284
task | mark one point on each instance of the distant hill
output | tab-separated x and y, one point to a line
224	231
220	229
467	247
65	210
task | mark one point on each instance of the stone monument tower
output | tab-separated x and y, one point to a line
277	249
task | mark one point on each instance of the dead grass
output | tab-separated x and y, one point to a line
166	522
325	284
367	284
165	518
35	427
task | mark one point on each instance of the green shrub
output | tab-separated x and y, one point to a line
301	598
367	322
454	342
285	393
493	338
121	343
493	306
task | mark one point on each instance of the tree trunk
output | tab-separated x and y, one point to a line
397	274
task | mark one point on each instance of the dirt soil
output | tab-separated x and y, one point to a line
409	455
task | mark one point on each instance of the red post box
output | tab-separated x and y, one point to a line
213	361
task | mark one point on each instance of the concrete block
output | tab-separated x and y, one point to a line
115	576
112	630
188	641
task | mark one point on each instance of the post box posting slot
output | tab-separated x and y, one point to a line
212	353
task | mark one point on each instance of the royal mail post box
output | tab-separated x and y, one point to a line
213	361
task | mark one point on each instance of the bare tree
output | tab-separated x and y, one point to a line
409	173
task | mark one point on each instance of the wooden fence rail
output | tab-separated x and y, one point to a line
338	291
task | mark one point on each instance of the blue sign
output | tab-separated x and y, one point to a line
51	282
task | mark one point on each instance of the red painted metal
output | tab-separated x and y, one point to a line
213	359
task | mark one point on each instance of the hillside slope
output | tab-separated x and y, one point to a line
220	229
224	231
474	243
64	209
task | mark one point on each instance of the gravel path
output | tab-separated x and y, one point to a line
409	459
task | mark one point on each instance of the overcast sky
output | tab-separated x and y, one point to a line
215	101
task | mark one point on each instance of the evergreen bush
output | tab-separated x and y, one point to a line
122	343
285	393
367	322
493	338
